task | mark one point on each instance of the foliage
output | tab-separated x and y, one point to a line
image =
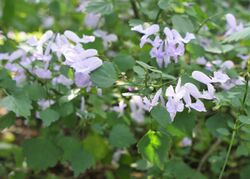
124	89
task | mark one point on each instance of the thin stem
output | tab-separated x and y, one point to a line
204	22
135	10
229	148
158	16
235	129
208	153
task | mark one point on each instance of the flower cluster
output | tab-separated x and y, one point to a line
223	67
187	95
37	56
163	50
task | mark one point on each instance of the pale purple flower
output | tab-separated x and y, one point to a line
82	80
91	20
186	142
137	109
75	38
232	25
148	31
16	54
82	5
192	91
149	104
232	83
172	47
201	61
42	73
87	65
220	77
244	58
48	21
228	64
175	103
4	56
45	103
106	38
18	73
61	79
120	108
45	37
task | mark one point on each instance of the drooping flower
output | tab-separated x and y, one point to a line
106	38
91	20
120	108
45	103
175	103
137	109
61	79
42	73
232	25
150	103
148	31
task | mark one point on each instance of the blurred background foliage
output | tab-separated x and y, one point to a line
97	136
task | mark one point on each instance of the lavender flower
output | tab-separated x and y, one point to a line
120	108
149	104
42	73
163	50
232	26
92	20
44	103
137	109
106	38
61	79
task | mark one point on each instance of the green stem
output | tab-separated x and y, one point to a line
158	16
229	148
204	22
235	129
135	10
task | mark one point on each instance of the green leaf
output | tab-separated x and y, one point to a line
103	7
35	91
19	104
180	170
6	81
161	115
223	131
105	76
165	4
124	62
120	136
7	120
73	151
182	24
80	161
96	145
185	122
41	153
49	116
237	36
218	49
242	151
245	172
154	147
244	119
69	146
217	121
